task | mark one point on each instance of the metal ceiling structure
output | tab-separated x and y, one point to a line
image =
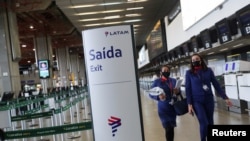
64	20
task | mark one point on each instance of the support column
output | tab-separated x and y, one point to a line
63	67
71	68
44	51
10	52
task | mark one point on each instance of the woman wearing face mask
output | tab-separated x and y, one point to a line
166	111
199	93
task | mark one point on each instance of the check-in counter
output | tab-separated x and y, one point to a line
232	91
244	89
219	102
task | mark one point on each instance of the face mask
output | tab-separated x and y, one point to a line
196	63
166	74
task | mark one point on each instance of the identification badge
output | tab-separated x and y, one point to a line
205	87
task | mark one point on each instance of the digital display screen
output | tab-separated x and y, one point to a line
180	50
175	53
170	56
44	69
194	44
187	48
205	39
223	30
166	58
156	41
243	16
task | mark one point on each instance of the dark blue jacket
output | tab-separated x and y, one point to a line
194	85
166	111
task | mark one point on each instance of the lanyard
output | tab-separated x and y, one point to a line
200	77
170	85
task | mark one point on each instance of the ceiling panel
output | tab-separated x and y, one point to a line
56	19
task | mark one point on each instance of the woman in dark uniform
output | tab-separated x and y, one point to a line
166	110
199	93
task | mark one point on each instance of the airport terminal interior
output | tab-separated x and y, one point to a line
59	76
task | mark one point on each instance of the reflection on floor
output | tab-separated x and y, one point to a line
187	126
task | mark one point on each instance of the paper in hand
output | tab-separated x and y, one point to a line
178	83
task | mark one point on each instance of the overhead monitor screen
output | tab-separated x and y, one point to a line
44	69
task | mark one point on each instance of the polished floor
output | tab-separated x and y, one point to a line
187	126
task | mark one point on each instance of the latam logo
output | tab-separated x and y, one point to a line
114	122
113	33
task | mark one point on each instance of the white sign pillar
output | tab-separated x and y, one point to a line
113	85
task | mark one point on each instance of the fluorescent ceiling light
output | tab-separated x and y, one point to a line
130	21
101	12
229	56
105	4
135	8
83	6
94	19
238	45
132	15
112	17
210	53
136	1
111	3
110	23
137	25
100	24
224	49
105	18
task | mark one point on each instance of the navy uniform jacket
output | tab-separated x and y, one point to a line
194	85
166	111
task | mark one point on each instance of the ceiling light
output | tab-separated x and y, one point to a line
111	3
135	1
23	45
105	4
135	8
132	15
86	20
83	6
112	17
31	26
210	53
238	45
224	49
110	23
101	12
137	25
98	24
230	56
130	21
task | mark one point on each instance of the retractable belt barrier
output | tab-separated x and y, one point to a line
63	102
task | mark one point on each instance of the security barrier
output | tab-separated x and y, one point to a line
62	110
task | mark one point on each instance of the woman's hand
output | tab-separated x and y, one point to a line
229	102
162	97
190	109
176	91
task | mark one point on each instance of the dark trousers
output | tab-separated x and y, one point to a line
169	133
204	112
